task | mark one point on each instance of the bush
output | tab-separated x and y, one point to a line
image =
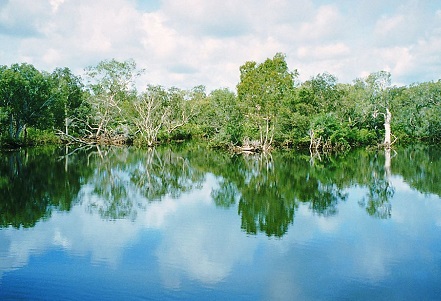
40	137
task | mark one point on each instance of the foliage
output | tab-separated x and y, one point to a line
24	98
270	108
69	109
111	85
220	119
262	90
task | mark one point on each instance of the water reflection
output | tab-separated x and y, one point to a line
380	189
118	183
34	181
174	221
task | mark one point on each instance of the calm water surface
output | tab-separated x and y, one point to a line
192	224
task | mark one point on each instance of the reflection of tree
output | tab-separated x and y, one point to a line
35	181
420	167
380	190
377	202
125	179
117	182
262	206
226	195
110	195
325	198
163	172
269	188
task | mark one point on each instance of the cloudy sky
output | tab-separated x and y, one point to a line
204	42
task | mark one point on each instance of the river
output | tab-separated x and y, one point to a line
189	223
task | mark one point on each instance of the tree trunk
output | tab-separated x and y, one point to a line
66	120
387	132
11	126
387	163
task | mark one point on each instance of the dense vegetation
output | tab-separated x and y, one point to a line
270	108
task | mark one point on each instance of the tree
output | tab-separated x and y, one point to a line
184	106
417	111
220	117
152	110
378	84
68	91
25	97
261	91
324	93
111	83
163	112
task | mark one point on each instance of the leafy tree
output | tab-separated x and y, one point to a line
261	91
321	93
68	92
378	84
111	84
220	117
152	111
24	97
418	108
184	107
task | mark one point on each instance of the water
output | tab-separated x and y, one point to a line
192	224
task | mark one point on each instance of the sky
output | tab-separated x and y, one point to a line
204	42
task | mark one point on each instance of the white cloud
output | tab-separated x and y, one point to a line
388	26
331	51
187	43
55	4
325	25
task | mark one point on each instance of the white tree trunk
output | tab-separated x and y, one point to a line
387	163
387	132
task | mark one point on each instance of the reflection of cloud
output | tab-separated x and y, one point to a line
157	212
77	232
198	251
205	245
191	248
357	250
61	240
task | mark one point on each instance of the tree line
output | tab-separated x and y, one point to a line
270	108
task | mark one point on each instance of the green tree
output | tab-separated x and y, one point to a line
184	107
378	84
220	117
323	95
25	95
111	85
68	91
418	108
262	90
152	111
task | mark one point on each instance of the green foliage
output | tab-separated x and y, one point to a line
269	109
220	118
262	91
111	85
41	137
35	181
24	97
69	110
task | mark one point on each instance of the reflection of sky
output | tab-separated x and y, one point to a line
186	247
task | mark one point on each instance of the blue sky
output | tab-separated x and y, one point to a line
204	42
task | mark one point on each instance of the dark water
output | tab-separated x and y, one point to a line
193	224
